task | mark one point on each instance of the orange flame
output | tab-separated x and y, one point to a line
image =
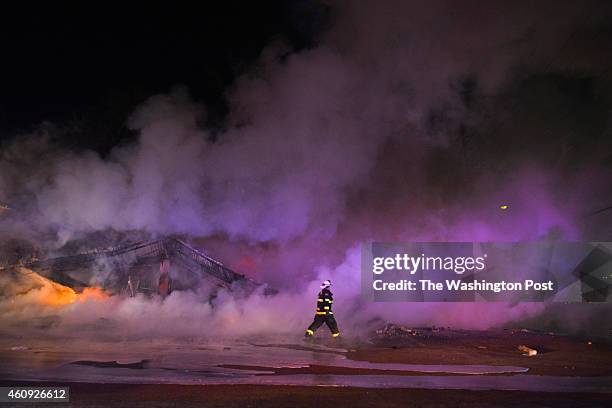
50	293
92	293
55	294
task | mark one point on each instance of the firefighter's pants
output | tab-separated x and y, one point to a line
319	319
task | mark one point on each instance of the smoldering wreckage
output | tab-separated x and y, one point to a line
149	268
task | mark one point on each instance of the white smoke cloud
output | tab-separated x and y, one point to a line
358	138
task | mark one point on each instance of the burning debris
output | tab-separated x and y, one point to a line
25	285
28	299
118	290
149	267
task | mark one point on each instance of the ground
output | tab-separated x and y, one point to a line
558	356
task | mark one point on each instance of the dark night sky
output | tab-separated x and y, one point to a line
95	62
86	66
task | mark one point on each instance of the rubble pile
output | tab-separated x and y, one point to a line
391	331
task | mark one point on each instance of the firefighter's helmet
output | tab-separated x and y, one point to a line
325	284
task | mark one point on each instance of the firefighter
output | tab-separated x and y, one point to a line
324	312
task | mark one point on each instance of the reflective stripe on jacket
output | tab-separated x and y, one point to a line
324	302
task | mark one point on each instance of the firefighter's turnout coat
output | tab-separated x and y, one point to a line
324	314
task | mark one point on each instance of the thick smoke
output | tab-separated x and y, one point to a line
406	122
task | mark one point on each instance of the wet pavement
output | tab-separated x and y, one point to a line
200	363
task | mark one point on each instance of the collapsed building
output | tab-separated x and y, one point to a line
151	267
